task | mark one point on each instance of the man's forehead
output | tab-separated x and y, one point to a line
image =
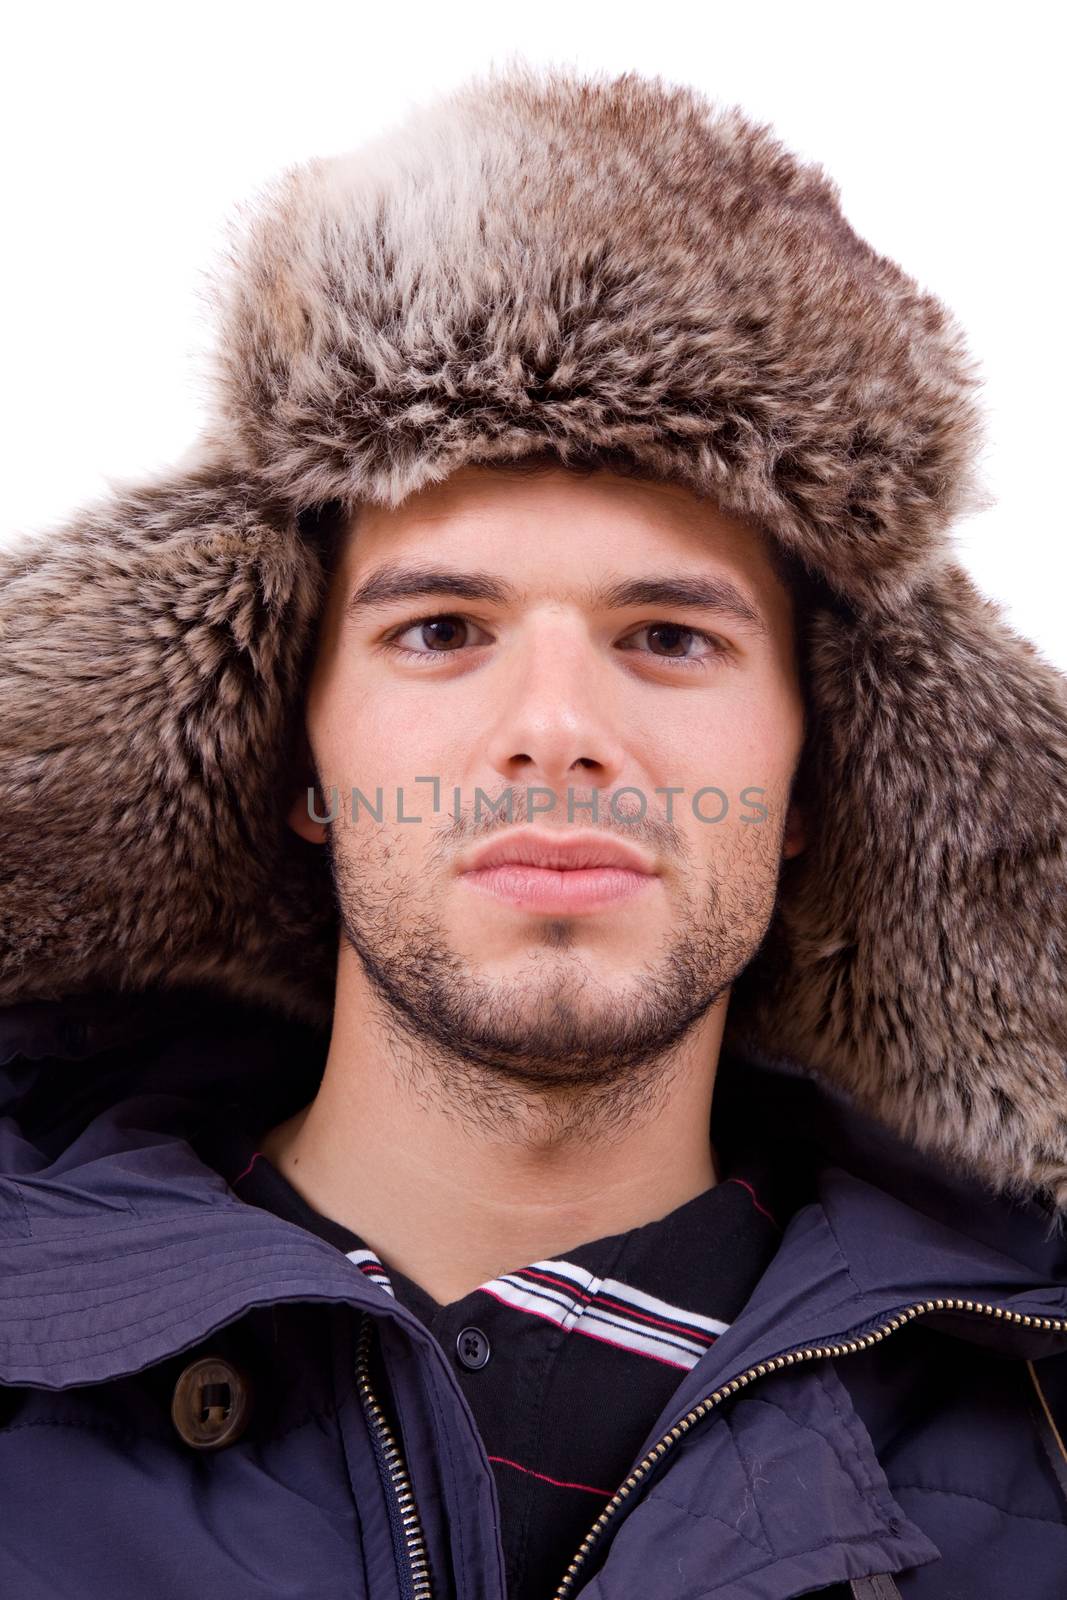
507	522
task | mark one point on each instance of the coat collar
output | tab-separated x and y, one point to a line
121	1244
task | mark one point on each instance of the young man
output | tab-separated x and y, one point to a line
533	916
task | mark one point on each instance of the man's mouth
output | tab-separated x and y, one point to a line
558	874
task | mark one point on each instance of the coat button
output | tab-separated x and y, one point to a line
472	1347
211	1404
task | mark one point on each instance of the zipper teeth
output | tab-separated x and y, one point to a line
1052	1324
414	1543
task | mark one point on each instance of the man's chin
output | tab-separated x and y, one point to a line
567	1008
562	1032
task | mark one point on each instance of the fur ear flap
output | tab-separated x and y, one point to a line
921	941
150	652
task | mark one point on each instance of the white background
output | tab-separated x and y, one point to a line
131	133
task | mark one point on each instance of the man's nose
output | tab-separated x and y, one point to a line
556	722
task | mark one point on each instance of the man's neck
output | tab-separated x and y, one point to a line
452	1203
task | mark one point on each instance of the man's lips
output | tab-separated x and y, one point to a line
558	874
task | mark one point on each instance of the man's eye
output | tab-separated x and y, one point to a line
672	641
434	635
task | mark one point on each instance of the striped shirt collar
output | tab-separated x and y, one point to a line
664	1290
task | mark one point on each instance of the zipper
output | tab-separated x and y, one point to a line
847	1347
408	1543
408	1527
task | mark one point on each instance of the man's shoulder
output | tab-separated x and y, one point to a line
186	1052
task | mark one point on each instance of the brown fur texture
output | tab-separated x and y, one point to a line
543	259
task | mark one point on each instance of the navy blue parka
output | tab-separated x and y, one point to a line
888	1403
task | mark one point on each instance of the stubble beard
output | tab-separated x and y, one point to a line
558	1046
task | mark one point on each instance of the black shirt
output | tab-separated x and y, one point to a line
567	1363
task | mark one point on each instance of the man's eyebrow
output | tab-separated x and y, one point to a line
391	583
706	594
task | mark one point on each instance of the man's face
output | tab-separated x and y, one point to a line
558	639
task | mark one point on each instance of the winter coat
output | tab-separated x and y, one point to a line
872	1411
590	266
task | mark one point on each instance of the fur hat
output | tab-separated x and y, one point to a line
547	260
